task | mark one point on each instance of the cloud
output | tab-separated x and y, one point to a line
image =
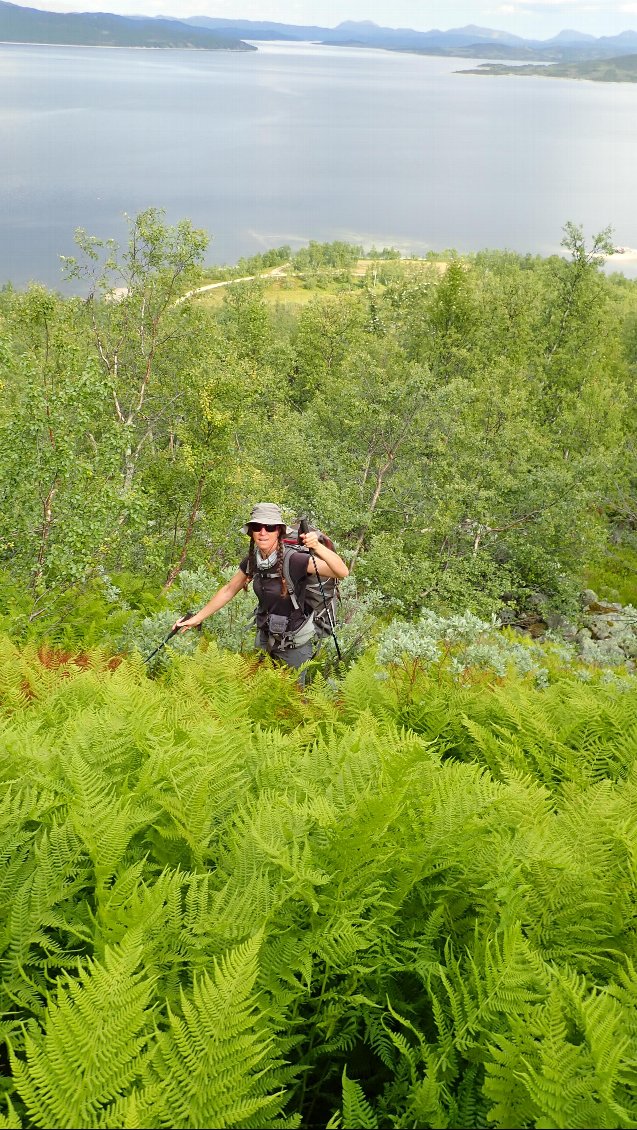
528	7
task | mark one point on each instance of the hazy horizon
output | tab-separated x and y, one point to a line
531	19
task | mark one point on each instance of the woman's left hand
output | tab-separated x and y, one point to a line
327	562
310	540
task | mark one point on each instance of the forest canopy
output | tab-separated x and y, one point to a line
464	429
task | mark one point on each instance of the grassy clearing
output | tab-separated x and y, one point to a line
276	291
291	289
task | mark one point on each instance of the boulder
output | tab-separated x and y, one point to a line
563	627
599	628
587	597
507	616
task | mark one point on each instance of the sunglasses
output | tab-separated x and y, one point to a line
254	527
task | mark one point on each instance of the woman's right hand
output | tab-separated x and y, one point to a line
186	622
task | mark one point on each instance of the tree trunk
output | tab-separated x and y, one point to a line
45	532
380	475
178	566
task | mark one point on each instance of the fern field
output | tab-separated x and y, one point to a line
395	902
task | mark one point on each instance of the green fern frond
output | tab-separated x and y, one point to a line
212	682
102	736
555	1081
494	750
362	693
357	1111
500	978
151	909
10	1120
218	1059
510	1102
467	1105
45	906
286	959
340	942
277	756
17	807
92	1044
197	782
240	909
611	1045
625	991
134	1111
103	821
427	1102
378	1038
569	1062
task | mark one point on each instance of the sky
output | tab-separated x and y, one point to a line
533	19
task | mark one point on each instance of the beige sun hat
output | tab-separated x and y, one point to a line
268	513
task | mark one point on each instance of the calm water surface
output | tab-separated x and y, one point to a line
296	142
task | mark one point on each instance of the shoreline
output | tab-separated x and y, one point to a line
125	46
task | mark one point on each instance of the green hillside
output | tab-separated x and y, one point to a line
403	895
622	69
30	25
462	427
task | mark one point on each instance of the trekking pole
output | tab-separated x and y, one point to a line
170	635
304	528
327	610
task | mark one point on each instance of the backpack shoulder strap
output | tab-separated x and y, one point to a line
289	550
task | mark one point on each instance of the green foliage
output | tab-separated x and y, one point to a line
405	900
386	253
335	254
92	1045
463	428
404	896
274	257
614	576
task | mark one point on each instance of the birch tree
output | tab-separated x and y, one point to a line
136	319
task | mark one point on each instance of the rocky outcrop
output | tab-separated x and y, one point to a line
605	633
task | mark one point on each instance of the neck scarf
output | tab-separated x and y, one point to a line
266	563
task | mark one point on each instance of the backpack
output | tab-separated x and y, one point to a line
324	604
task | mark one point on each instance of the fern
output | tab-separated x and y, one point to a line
44	925
497	980
92	1044
196	783
104	822
467	851
217	1062
10	1120
570	1063
357	1112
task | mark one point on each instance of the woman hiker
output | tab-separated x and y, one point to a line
284	630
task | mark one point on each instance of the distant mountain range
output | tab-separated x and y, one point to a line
30	25
470	41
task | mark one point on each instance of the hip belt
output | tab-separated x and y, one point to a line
276	629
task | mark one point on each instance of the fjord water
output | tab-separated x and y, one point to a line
295	142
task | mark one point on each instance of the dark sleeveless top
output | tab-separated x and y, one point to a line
267	589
